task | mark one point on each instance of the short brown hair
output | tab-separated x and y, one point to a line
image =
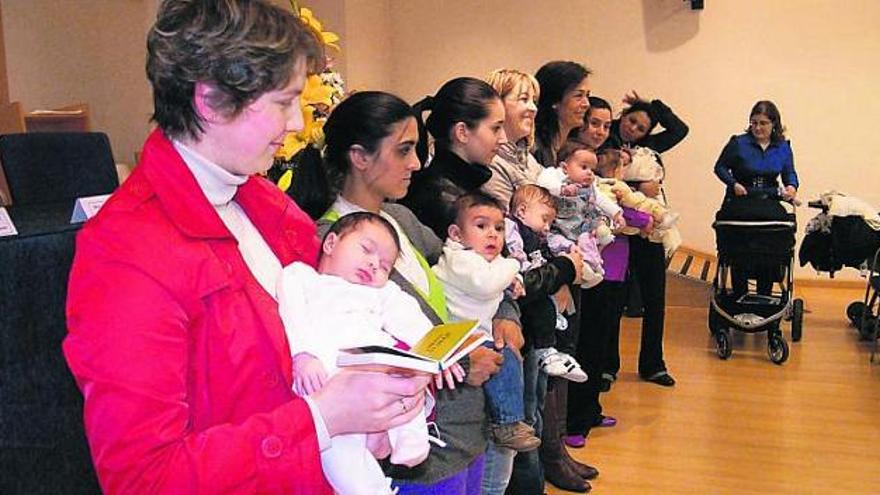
609	161
244	47
570	148
527	194
472	200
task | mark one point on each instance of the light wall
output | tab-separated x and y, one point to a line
92	51
813	58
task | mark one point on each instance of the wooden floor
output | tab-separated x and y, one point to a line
745	425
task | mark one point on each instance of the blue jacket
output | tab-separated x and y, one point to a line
742	160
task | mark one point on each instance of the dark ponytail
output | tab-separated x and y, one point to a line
365	118
463	99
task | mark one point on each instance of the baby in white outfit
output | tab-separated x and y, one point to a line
349	302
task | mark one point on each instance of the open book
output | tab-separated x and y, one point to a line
439	349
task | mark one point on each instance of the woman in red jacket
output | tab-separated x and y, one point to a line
174	334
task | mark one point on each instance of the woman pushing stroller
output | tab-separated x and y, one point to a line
751	163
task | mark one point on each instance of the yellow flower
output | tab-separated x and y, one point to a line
315	92
327	37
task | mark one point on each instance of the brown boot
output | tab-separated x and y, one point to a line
585	471
556	469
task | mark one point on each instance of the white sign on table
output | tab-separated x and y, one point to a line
6	226
86	207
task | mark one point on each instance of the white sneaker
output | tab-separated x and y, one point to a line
560	364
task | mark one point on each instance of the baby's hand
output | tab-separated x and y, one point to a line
309	374
517	289
569	190
454	373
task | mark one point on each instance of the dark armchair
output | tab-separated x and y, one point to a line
50	167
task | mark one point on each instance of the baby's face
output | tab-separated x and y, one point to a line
579	167
536	216
362	256
481	228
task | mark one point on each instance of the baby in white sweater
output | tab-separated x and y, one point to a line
349	302
475	276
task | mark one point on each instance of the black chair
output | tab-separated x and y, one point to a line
51	167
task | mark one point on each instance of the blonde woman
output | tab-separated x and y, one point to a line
513	165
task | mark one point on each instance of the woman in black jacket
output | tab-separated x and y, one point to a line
467	124
647	260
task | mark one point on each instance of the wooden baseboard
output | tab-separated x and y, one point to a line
829	283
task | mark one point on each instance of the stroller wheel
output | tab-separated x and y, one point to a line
854	312
777	348
714	321
797	320
722	344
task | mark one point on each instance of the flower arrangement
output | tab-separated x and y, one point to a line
320	94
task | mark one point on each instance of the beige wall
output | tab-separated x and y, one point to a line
58	53
813	58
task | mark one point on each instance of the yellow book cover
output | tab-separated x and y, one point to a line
439	349
442	340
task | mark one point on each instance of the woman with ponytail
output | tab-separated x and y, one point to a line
467	124
369	159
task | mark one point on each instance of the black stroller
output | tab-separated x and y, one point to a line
836	242
755	239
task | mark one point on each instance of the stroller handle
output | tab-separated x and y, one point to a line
769	192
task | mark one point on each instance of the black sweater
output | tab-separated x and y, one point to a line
674	131
434	189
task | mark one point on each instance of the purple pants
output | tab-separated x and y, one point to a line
465	482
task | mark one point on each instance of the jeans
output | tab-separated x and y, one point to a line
499	466
528	474
504	390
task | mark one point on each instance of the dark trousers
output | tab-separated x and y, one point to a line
764	277
601	309
528	473
566	340
648	261
539	323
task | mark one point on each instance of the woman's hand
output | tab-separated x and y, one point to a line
507	333
384	401
739	189
575	256
618	221
650	188
484	363
789	193
454	373
632	97
309	374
